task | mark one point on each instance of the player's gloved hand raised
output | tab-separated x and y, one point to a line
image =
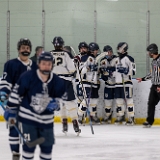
77	60
3	97
54	105
123	70
10	116
92	68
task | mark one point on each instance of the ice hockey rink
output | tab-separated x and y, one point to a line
110	142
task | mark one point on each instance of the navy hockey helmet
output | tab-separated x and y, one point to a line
93	46
82	44
122	46
152	48
46	56
58	42
107	48
24	41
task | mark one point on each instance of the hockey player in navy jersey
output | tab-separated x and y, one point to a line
12	71
29	99
64	68
90	80
107	67
125	68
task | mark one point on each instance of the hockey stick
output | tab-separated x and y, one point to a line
124	89
85	96
25	140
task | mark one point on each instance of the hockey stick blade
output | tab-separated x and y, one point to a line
35	142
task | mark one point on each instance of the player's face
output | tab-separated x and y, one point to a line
45	65
40	50
150	54
83	49
110	53
24	48
95	53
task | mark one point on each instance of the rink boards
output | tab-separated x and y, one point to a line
140	96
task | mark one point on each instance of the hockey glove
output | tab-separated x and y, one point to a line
10	116
3	97
77	60
54	105
108	70
93	68
123	70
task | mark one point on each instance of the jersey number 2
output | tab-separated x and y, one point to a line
59	61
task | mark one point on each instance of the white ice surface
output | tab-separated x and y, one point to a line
110	142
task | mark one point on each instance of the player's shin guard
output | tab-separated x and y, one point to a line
108	106
130	112
81	111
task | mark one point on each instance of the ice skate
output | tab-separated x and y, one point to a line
107	120
130	121
82	120
65	125
15	156
95	119
120	120
76	127
146	125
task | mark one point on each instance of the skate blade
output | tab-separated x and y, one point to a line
65	132
146	126
78	133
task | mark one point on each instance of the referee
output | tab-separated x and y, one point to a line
154	76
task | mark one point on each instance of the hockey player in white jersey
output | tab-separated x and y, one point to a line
64	68
91	85
124	87
107	67
79	61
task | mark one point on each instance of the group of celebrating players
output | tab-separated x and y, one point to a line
33	91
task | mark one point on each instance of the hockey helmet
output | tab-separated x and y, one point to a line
122	46
58	42
46	56
107	48
152	48
93	46
24	41
82	44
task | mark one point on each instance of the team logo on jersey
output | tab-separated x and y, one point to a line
40	102
90	59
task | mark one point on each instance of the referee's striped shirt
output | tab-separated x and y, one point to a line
154	75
